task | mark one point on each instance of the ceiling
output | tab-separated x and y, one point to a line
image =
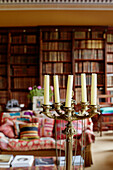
55	16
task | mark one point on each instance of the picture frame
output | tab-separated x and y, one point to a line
37	102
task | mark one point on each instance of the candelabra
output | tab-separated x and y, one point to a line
68	114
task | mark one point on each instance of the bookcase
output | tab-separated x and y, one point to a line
89	57
4	39
28	53
56	55
19	62
109	61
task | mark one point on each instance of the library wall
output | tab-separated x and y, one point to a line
28	53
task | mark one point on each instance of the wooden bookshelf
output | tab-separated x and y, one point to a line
28	53
4	40
19	62
109	61
89	57
56	55
23	62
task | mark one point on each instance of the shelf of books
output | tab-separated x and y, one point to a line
89	57
3	66
56	55
23	62
109	62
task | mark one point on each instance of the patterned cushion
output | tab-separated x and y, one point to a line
45	126
29	131
7	129
16	127
26	119
10	116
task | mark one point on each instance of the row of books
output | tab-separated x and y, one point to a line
109	37
7	161
78	80
90	34
100	79
23	39
109	79
63	94
88	54
3	82
3	38
55	35
23	49
110	68
78	94
88	67
62	79
109	57
3	69
20	59
24	70
80	34
109	47
90	44
56	56
56	68
56	46
24	82
110	92
3	96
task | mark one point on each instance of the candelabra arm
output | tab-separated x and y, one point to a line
62	116
83	113
57	107
93	110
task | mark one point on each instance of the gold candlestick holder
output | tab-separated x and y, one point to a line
68	114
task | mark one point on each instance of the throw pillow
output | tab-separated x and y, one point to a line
46	126
24	118
29	131
7	129
16	127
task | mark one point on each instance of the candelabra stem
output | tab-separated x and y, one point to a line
69	153
70	131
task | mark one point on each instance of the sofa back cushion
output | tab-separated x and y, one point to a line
29	131
7	129
15	116
46	126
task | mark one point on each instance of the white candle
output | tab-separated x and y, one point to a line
94	89
46	89
69	91
83	84
56	89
